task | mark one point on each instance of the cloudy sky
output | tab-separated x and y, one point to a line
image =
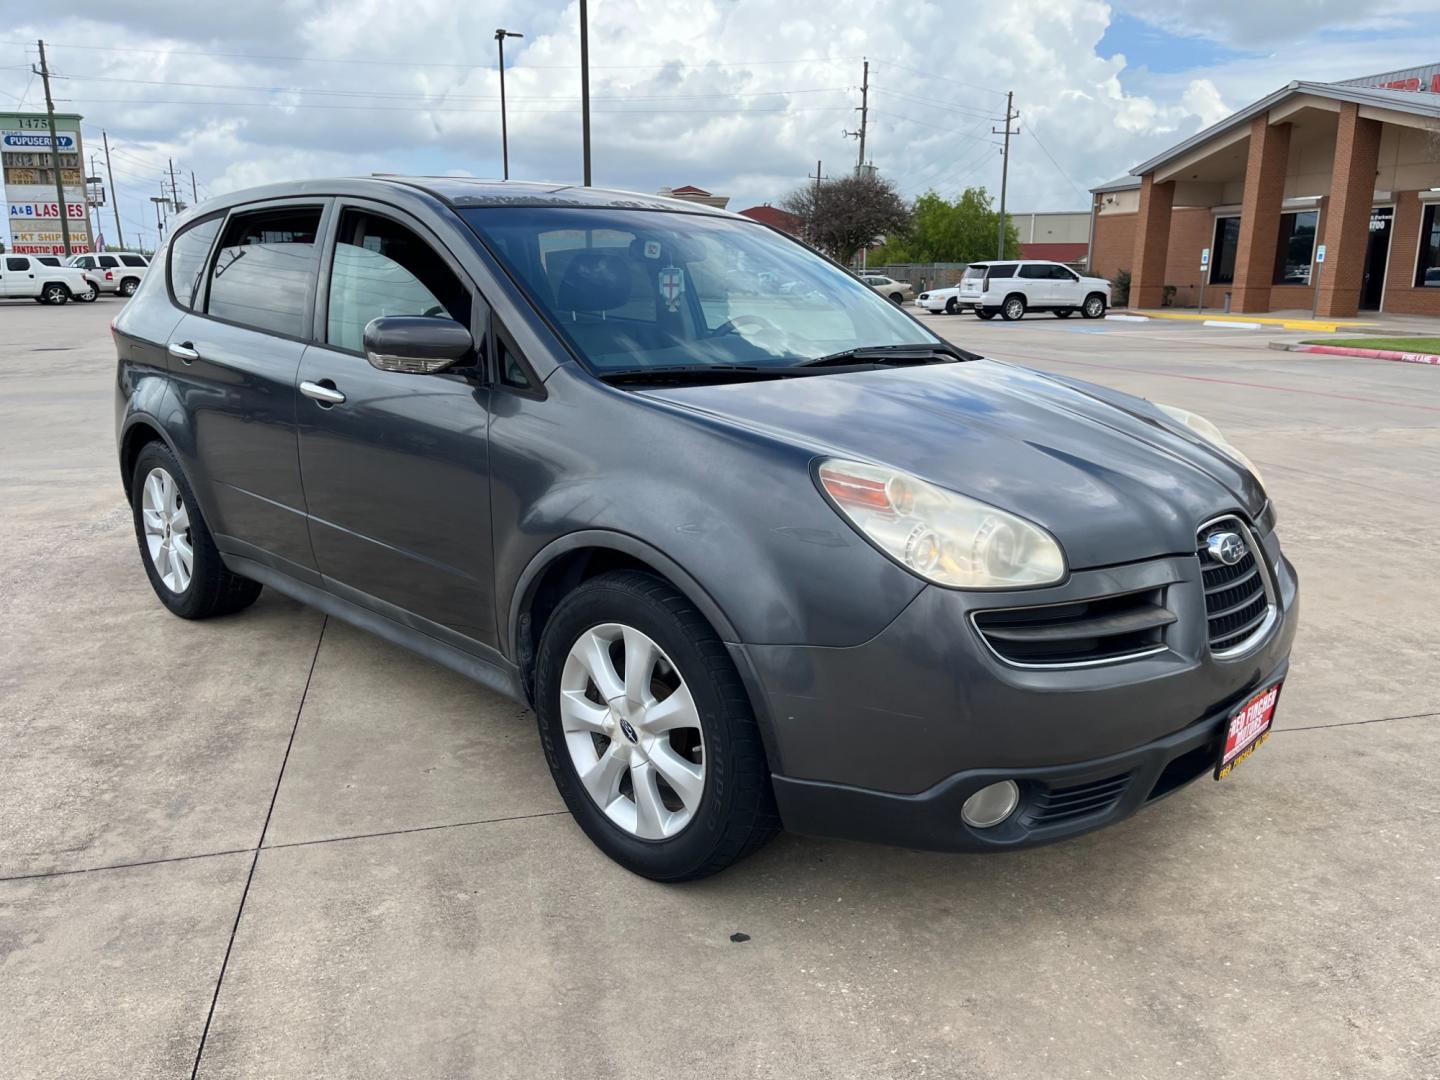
738	96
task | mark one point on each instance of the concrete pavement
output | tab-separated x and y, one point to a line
422	906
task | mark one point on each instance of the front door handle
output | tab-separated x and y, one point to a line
324	394
184	351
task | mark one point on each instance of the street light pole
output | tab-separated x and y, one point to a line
585	87
500	36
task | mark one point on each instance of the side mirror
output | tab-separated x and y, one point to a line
416	344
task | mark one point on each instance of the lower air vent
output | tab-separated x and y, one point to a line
1099	631
1051	806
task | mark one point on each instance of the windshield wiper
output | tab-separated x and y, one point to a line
919	353
689	373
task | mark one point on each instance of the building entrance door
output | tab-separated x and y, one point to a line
1372	287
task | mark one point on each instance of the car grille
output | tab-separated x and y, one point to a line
1098	631
1237	601
1050	806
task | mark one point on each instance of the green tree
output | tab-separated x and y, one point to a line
842	216
964	230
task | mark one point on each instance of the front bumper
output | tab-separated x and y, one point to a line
884	741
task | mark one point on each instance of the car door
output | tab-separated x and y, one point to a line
233	361
19	277
395	465
1065	290
1035	283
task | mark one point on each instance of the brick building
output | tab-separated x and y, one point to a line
1353	167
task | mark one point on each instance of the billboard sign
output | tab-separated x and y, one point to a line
32	211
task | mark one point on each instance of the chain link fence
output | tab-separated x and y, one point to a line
921	275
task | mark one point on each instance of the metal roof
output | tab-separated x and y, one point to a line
1407	101
1120	183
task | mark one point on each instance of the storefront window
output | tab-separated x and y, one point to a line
1222	254
1295	247
1427	269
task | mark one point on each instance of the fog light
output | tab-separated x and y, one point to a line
991	805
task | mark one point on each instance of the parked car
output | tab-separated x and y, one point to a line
896	292
89	296
946	300
116	272
1012	288
26	275
788	559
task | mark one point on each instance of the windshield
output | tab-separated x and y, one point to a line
638	288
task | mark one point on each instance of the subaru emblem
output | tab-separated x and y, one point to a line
1225	547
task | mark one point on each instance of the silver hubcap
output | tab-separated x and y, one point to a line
167	530
1093	306
633	731
1014	309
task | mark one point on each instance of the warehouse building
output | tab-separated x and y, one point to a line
1332	187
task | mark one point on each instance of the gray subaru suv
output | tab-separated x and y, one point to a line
755	557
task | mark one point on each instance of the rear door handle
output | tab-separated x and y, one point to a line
325	395
184	351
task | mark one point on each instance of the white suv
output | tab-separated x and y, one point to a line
1011	288
116	272
27	276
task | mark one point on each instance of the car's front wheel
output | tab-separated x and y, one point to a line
951	307
1094	306
985	313
648	730
180	558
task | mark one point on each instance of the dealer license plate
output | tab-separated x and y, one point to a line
1247	728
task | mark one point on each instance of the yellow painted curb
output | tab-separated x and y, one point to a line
1324	326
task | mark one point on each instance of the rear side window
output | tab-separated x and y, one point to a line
265	270
109	262
132	260
188	252
1032	272
1002	271
382	268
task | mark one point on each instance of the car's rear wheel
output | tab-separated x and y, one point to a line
90	295
985	313
128	286
648	730
1013	308
54	294
951	307
897	298
180	557
1064	312
1094	306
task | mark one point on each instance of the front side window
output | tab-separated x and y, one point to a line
188	252
1295	247
382	268
1427	268
265	270
1222	251
17	264
85	262
641	288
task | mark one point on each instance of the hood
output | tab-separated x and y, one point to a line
1107	474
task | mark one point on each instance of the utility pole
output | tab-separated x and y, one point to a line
1010	114
500	36
44	72
585	87
174	191
194	187
815	203
864	111
114	195
159	202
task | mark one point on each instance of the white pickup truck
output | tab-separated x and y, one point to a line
24	275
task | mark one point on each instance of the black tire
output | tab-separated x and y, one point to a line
54	293
736	814
985	313
128	286
1064	312
950	306
1094	307
90	295
1013	309
213	590
897	298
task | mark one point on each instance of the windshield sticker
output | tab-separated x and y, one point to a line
672	286
652	249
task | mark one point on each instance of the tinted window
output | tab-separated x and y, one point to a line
1222	257
132	260
85	262
265	270
188	252
382	268
109	262
1003	271
1294	247
1059	273
1034	272
1427	268
17	264
975	271
48	260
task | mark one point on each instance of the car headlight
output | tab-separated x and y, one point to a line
939	535
1211	434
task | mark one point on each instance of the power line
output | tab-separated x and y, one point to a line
1031	129
986	114
942	78
433	109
